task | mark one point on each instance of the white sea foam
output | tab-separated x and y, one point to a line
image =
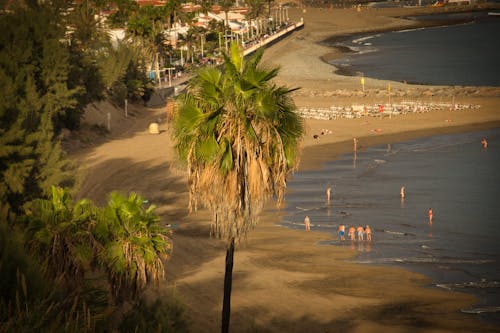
487	309
362	40
483	284
426	260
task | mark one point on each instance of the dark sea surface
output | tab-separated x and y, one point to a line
465	55
453	174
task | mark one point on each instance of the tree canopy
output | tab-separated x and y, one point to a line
238	133
34	70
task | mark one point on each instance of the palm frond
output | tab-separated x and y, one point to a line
250	133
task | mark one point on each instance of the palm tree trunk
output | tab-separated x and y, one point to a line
228	282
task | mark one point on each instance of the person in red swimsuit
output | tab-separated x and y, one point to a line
430	215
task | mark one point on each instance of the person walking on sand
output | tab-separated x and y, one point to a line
361	232
430	215
342	231
307	222
368	232
352	233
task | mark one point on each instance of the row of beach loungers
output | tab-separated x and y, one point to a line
378	110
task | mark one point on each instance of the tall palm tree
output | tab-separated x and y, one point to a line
239	134
134	245
255	11
226	5
147	27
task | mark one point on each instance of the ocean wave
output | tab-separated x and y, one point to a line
307	209
426	260
393	232
362	40
486	309
286	223
355	48
483	284
408	30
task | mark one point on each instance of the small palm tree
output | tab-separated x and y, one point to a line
134	245
59	232
238	134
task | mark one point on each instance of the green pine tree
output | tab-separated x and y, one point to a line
34	67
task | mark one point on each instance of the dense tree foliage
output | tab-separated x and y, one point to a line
67	266
79	246
34	68
53	62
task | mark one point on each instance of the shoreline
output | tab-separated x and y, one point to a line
322	154
282	280
421	21
315	155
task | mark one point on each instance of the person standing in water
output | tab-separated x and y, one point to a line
342	231
360	232
484	143
352	233
402	192
368	232
328	193
430	215
307	222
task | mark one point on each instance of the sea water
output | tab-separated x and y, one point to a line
465	54
452	174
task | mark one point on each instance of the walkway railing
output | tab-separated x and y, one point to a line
270	39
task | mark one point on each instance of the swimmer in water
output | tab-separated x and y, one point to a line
484	143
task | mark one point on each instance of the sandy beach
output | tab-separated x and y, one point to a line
283	281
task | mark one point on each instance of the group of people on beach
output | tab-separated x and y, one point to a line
359	233
355	233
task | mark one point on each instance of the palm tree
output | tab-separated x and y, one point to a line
226	5
255	11
147	26
134	245
59	232
88	34
238	134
